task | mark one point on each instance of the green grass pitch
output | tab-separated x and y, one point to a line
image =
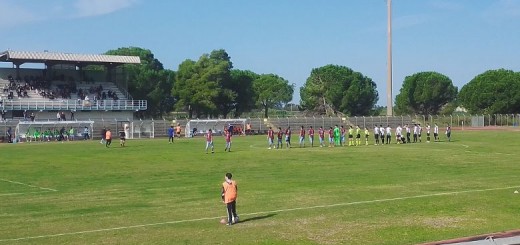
152	192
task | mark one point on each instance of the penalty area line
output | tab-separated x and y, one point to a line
260	213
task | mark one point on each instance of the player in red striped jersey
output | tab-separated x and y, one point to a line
209	141
302	137
321	134
311	136
270	137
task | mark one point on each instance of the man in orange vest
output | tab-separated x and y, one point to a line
178	130
229	197
108	138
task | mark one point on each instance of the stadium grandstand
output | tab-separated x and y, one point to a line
81	86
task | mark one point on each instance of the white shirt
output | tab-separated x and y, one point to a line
376	130
388	131
407	129
398	130
415	130
428	129
436	129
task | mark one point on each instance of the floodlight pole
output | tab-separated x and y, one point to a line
389	102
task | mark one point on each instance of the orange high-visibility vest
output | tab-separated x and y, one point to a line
230	191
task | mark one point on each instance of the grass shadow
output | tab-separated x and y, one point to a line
257	218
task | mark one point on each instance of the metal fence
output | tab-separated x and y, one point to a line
159	128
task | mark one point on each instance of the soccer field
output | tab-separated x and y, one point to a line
152	192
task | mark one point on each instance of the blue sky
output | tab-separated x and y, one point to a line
459	38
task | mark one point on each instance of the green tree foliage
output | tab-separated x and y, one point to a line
494	91
338	88
425	93
148	80
205	87
271	90
243	87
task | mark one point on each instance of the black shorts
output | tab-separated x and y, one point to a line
122	138
358	136
435	135
376	136
350	136
428	134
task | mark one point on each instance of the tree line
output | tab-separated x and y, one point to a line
212	87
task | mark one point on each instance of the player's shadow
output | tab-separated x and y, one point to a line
257	218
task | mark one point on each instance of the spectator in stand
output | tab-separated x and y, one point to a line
58	116
3	115
72	115
32	116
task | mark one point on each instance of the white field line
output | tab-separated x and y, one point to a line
257	213
33	186
24	193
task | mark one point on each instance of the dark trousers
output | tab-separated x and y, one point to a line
231	211
407	137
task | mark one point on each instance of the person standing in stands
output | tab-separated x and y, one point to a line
108	138
229	197
170	134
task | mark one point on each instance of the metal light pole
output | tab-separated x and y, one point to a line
389	102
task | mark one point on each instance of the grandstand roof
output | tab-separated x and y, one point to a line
66	58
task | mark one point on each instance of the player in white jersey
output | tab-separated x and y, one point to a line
388	134
427	133
408	132
436	132
420	132
398	132
376	134
415	133
382	134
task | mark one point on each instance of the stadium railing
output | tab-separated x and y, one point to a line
59	104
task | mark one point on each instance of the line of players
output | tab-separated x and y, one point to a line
337	135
